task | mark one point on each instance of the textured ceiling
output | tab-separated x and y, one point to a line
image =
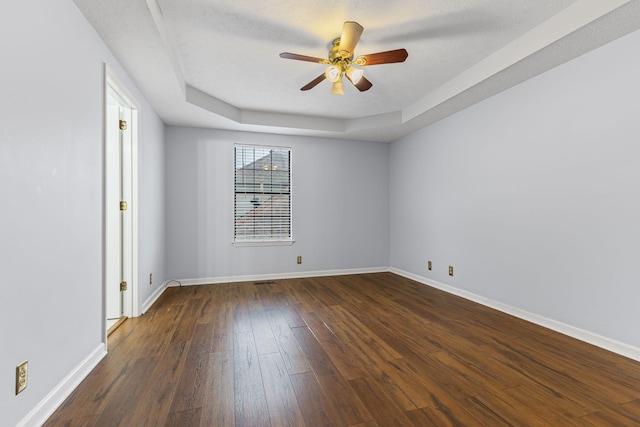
215	63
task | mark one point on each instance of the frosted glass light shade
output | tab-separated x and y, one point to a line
354	74
333	73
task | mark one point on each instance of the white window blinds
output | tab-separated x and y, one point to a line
262	194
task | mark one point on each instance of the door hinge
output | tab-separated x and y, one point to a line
123	206
123	286
123	125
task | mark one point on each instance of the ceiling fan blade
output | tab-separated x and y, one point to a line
314	82
287	55
363	84
388	57
351	32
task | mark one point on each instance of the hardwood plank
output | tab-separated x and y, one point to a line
262	332
586	372
336	388
219	400
482	366
399	378
270	295
633	407
315	407
241	317
250	400
189	417
302	293
289	310
158	327
189	392
540	382
405	336
443	378
78	422
287	296
465	370
549	375
531	398
364	339
281	399
339	354
452	415
88	399
209	294
121	407
627	414
486	415
154	406
510	411
431	388
380	406
223	329
609	418
189	317
293	356
626	367
155	400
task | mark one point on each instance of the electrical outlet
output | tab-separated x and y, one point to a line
299	260
21	376
429	265
451	270
150	278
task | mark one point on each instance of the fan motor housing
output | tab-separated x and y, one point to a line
335	55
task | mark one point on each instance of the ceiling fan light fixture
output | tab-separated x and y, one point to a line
337	88
354	74
341	61
333	73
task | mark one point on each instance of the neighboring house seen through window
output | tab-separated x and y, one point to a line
262	194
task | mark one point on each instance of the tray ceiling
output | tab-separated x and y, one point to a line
215	63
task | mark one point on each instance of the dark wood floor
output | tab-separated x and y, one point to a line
366	350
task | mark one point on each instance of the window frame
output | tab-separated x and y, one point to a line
273	240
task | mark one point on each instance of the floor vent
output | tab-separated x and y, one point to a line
266	282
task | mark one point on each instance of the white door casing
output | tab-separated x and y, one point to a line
121	184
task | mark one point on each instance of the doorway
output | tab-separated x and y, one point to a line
121	143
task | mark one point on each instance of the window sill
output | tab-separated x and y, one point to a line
264	243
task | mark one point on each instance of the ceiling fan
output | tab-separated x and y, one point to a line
342	63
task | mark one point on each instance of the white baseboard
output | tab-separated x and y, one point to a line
276	276
577	333
54	399
146	305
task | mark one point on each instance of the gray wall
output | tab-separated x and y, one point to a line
151	200
339	196
533	195
51	216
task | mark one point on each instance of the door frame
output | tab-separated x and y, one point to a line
130	303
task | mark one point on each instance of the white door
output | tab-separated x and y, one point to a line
118	185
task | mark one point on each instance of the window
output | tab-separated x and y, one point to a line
262	194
